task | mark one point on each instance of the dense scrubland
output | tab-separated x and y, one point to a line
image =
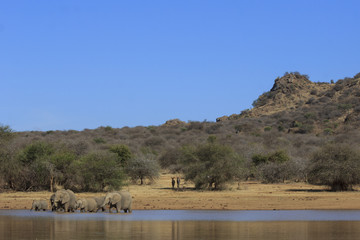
298	131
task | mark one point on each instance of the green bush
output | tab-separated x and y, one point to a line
99	140
273	167
123	153
99	171
267	128
143	166
335	165
210	165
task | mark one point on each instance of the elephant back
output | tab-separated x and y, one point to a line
99	200
92	204
72	202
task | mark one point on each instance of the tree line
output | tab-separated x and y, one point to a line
209	165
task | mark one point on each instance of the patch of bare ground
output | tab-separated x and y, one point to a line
238	196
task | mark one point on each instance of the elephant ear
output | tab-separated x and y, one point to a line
66	197
115	198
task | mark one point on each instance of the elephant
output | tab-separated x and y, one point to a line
65	199
52	202
99	201
87	204
120	200
39	205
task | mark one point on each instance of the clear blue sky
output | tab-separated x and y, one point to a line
84	64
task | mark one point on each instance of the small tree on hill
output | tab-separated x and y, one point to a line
334	165
123	153
273	167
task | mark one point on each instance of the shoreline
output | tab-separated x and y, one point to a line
238	196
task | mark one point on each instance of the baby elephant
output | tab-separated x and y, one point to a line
39	205
87	205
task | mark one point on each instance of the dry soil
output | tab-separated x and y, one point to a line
238	196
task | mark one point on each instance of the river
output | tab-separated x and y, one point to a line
181	224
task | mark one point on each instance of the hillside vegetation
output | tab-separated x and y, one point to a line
277	140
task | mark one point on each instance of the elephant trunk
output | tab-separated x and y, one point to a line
106	201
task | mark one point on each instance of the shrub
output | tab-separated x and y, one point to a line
274	172
272	167
357	76
267	128
210	165
6	133
279	156
99	140
35	151
336	166
99	171
171	159
122	152
195	125
143	166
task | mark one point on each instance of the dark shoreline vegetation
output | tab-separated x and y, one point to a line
298	131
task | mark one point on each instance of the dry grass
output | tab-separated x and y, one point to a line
242	196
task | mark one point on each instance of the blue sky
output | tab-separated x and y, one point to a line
84	64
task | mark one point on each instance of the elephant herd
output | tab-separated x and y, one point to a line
65	200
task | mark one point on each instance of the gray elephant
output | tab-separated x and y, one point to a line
52	202
65	199
39	205
87	205
120	200
99	201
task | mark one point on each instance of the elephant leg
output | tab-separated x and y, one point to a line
66	207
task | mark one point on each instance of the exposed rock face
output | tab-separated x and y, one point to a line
317	106
174	122
290	83
287	93
221	119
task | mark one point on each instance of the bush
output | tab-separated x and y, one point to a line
99	140
143	166
99	171
171	158
274	172
272	167
275	157
335	165
123	154
210	165
6	133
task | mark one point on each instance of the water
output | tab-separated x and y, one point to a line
178	224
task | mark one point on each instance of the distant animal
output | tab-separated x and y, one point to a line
39	205
120	200
178	182
173	182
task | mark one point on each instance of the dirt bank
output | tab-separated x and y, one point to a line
246	195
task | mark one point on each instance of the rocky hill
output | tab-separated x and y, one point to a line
303	106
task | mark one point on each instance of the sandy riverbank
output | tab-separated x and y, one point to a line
246	195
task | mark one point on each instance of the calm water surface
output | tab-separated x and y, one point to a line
156	224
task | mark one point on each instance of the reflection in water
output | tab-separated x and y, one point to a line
59	228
